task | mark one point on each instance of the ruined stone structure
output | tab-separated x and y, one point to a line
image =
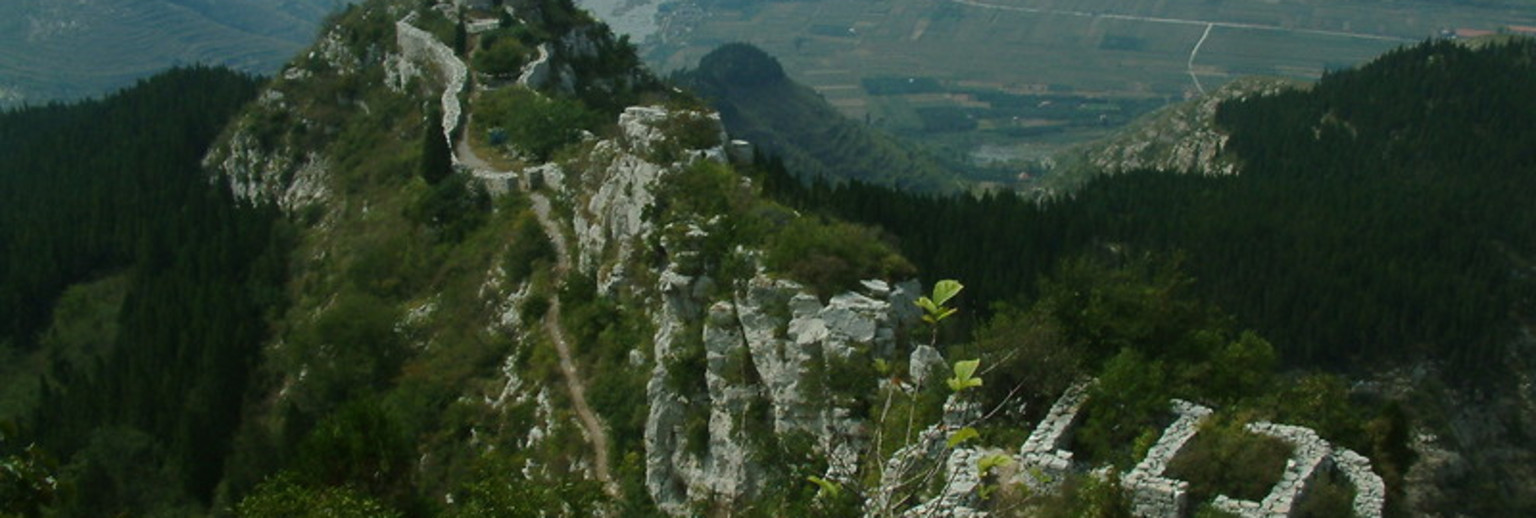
1043	461
1152	494
1044	451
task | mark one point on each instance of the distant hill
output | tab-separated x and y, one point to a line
1379	219
759	103
1181	137
51	50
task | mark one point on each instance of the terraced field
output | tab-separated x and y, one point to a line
1011	79
51	49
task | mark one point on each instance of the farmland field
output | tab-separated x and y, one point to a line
1034	76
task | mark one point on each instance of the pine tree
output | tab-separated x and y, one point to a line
436	154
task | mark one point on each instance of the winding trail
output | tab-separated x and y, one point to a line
596	433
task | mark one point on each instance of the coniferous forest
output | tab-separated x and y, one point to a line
1381	216
161	280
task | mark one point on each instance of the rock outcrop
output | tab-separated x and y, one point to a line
772	342
1183	137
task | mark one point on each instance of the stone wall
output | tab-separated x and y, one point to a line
1152	494
418	45
1370	490
1309	454
1044	449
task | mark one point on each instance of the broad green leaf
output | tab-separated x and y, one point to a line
945	290
965	376
945	313
962	435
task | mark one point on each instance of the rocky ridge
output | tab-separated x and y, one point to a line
767	343
1182	137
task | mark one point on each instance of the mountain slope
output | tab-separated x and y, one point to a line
132	290
787	120
507	273
1377	225
68	50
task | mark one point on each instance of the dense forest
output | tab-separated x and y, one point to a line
1381	216
161	281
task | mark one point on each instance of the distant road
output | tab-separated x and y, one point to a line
1177	21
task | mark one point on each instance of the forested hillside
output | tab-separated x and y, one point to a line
489	286
759	103
162	281
1380	223
1380	216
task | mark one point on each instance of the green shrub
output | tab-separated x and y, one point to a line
283	497
529	248
360	446
832	256
1226	459
500	54
1031	361
351	350
454	208
1130	398
535	124
496	490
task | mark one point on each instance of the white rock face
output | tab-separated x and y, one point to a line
296	179
770	343
282	176
623	184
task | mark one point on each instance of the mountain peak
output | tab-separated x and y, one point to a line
741	64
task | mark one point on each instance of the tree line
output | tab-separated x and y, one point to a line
114	188
1381	216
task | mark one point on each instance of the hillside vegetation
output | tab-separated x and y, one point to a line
1376	217
574	306
1379	219
784	119
161	281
